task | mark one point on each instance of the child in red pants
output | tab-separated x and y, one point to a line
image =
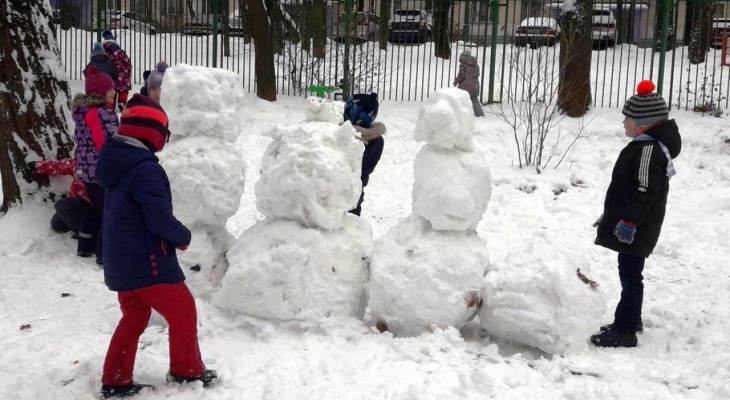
140	262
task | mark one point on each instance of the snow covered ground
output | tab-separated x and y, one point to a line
58	317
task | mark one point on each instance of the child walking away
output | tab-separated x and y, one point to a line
101	61
468	79
153	80
95	120
361	110
635	206
123	65
140	260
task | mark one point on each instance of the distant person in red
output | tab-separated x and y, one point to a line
70	210
123	65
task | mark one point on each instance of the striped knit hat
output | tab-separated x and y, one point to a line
646	107
144	119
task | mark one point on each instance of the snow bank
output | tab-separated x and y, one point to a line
310	173
324	110
203	102
421	277
538	299
452	188
447	120
285	271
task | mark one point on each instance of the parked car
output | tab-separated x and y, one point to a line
720	28
536	32
410	26
363	26
203	24
115	19
604	26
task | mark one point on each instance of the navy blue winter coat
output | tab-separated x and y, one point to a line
140	231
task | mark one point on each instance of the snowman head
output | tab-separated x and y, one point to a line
447	120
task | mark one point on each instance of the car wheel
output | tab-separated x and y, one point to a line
152	32
611	43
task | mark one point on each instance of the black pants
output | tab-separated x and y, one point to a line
70	213
90	232
370	158
628	310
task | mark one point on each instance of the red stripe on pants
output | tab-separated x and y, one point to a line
176	304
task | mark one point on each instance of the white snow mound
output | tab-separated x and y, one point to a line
447	120
324	110
452	188
538	299
421	277
207	178
205	263
203	101
285	271
310	173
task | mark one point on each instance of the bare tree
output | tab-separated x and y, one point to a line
574	97
34	99
442	28
384	23
700	15
264	63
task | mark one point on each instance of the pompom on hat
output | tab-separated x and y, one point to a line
155	78
97	82
646	107
108	35
142	118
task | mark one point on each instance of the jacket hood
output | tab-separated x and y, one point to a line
667	133
119	155
99	57
88	100
468	59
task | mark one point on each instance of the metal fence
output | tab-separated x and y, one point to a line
345	45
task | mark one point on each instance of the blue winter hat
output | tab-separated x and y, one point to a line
97	48
362	109
108	35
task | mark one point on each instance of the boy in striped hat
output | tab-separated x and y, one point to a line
140	260
635	206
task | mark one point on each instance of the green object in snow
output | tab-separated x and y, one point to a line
321	90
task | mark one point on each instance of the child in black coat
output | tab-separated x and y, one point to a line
635	206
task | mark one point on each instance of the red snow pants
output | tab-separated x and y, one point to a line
176	304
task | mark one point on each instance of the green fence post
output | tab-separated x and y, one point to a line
346	58
494	11
98	20
663	46
215	33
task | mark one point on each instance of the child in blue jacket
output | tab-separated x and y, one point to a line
140	262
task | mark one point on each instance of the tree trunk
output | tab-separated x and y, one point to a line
700	31
191	9
620	22
281	28
34	100
384	22
226	31
243	14
260	30
574	90
442	27
319	30
305	24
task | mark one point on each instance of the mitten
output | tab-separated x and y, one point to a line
183	248
625	231
598	221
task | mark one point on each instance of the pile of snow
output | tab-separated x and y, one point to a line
540	299
203	102
207	173
285	271
324	110
310	173
428	269
422	277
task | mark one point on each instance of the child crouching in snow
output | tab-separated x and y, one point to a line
140	261
361	110
635	205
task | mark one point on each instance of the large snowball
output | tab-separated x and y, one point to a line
207	178
203	101
538	299
205	261
452	188
324	110
310	173
447	120
420	277
285	271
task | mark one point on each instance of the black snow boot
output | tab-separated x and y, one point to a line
614	338
110	391
639	328
207	377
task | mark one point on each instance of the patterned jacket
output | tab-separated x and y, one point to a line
95	121
122	63
63	167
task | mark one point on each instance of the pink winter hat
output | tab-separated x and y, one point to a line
97	82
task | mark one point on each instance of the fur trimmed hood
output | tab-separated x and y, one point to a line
88	100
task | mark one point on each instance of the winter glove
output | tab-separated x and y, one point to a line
598	221
183	248
625	231
32	167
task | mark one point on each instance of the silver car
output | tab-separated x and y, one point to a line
363	26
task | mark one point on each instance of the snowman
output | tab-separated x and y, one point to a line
428	269
308	259
207	173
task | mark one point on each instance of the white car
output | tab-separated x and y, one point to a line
604	26
363	26
115	19
536	32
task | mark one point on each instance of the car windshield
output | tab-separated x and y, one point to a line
601	12
408	13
